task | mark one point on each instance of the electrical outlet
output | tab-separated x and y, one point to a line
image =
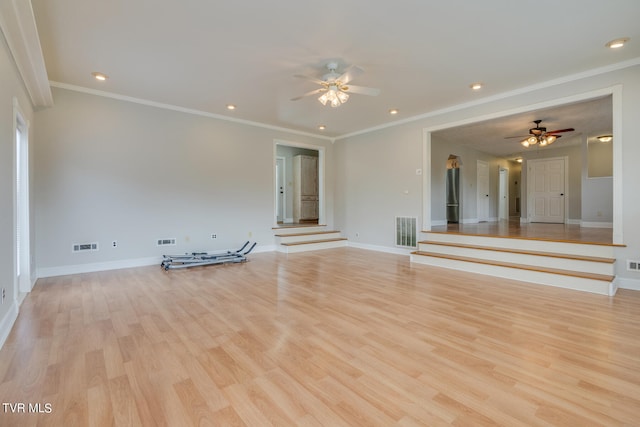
114	244
214	236
3	295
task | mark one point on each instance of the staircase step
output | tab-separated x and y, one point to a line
307	242
594	283
524	252
596	250
312	233
313	245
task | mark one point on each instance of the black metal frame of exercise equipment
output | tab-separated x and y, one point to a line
196	259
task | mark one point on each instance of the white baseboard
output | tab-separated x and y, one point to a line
7	322
377	248
594	224
624	283
574	222
65	270
438	222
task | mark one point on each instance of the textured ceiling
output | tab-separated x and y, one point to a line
423	55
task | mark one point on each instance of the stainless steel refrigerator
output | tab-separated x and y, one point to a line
453	195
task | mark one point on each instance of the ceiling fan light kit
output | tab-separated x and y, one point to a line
539	136
334	86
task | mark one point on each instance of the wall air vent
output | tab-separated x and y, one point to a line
633	265
84	247
406	231
166	242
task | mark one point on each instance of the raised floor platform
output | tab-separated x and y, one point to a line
566	256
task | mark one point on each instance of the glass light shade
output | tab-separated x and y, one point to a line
323	98
343	97
551	139
532	140
525	143
605	138
543	142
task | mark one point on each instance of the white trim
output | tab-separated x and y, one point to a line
436	223
18	25
573	221
521	91
624	283
377	248
616	95
25	284
183	110
321	174
594	224
426	181
614	91
7	322
65	270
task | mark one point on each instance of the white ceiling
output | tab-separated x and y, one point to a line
423	55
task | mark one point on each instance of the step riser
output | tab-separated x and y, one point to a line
307	237
541	278
601	251
312	246
296	230
523	259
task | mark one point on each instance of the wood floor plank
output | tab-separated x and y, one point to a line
339	337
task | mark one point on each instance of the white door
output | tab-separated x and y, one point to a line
280	196
547	190
503	194
483	190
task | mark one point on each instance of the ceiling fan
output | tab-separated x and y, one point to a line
334	90
539	135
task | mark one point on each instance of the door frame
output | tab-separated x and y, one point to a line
321	176
281	202
479	196
503	193
616	99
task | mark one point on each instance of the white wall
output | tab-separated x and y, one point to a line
115	170
11	87
379	164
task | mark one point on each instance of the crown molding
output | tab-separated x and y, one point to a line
18	24
171	107
524	90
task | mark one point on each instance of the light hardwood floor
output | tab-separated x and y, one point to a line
513	228
340	337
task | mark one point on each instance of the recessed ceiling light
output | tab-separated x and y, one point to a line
231	107
393	111
617	43
476	86
322	127
99	76
605	138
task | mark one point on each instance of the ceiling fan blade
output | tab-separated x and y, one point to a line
351	73
561	130
519	136
313	92
362	90
312	79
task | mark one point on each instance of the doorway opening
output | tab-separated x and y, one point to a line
21	189
591	112
298	184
